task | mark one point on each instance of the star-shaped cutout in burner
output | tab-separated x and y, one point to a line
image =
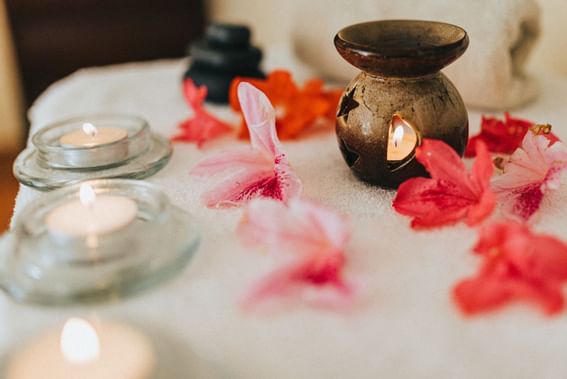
347	104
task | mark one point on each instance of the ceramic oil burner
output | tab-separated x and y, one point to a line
400	97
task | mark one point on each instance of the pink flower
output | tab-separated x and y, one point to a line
452	194
245	174
517	265
202	126
308	242
532	170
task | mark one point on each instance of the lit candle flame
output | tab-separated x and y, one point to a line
79	342
90	129
398	135
87	194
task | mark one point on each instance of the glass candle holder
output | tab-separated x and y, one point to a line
91	147
48	260
131	339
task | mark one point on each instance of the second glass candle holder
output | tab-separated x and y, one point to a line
91	147
101	239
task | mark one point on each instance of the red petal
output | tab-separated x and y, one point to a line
482	294
501	136
441	161
194	96
483	168
201	128
479	211
517	266
431	202
536	256
452	194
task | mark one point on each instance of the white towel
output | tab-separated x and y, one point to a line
405	327
489	75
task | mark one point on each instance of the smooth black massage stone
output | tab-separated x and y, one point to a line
224	54
217	82
230	60
228	35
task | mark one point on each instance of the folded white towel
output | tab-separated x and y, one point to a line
489	75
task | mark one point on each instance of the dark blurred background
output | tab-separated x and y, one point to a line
53	38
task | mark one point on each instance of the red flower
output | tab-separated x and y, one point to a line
502	136
452	194
517	265
202	126
297	108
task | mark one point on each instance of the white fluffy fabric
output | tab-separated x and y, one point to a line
489	75
404	324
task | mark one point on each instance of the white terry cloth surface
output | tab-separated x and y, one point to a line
404	325
489	75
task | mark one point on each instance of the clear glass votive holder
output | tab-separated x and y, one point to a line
46	267
51	163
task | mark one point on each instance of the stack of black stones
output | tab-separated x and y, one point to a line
222	55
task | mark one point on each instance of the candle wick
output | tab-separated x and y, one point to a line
395	143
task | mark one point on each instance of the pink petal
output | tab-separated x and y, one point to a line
240	187
260	118
248	180
239	159
308	241
532	169
292	186
303	280
302	228
262	171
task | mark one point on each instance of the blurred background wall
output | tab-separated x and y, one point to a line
11	107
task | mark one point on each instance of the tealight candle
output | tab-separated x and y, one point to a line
91	215
84	146
82	350
89	136
402	140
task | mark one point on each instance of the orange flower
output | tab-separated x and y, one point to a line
296	108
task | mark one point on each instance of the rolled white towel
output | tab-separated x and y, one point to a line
489	75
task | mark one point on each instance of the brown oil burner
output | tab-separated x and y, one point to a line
400	97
